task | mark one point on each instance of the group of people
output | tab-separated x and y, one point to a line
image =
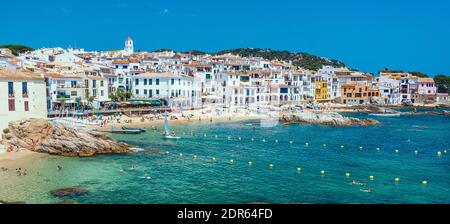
21	172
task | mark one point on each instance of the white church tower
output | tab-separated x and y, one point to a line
129	46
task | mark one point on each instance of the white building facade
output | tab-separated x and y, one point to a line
22	95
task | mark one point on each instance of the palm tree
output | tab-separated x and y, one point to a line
91	100
62	103
78	101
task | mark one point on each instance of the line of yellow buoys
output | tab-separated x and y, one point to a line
298	168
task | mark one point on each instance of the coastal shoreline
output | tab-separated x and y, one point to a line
21	158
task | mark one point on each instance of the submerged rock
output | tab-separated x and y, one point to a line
70	191
40	135
325	118
67	202
12	202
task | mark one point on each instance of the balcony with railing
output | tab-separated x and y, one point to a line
62	97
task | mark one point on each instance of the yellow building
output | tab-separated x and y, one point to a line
321	90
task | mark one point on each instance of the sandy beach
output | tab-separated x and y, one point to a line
12	160
148	121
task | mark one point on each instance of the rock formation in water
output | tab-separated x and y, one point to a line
40	135
70	191
325	118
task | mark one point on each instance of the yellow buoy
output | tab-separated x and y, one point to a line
378	149
322	172
397	179
167	152
371	177
342	146
360	147
445	151
416	152
231	161
195	156
299	169
424	182
271	166
181	154
347	174
290	142
396	151
439	153
214	158
306	144
239	138
250	163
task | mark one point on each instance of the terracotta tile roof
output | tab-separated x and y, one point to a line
426	80
58	76
6	74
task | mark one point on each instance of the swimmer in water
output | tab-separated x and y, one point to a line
370	190
354	182
132	167
58	167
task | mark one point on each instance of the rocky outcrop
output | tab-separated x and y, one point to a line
70	191
40	135
325	118
12	202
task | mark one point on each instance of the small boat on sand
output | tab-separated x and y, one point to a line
127	128
385	114
125	131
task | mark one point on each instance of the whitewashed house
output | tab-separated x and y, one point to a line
178	91
22	95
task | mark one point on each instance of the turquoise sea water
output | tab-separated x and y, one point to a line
162	175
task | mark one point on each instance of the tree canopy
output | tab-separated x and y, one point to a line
17	49
442	83
301	59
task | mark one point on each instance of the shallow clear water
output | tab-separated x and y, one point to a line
166	177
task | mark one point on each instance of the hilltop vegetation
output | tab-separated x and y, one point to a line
301	59
414	73
442	83
17	49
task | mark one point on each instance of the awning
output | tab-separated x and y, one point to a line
211	97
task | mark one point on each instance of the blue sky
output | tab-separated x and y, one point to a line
369	35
